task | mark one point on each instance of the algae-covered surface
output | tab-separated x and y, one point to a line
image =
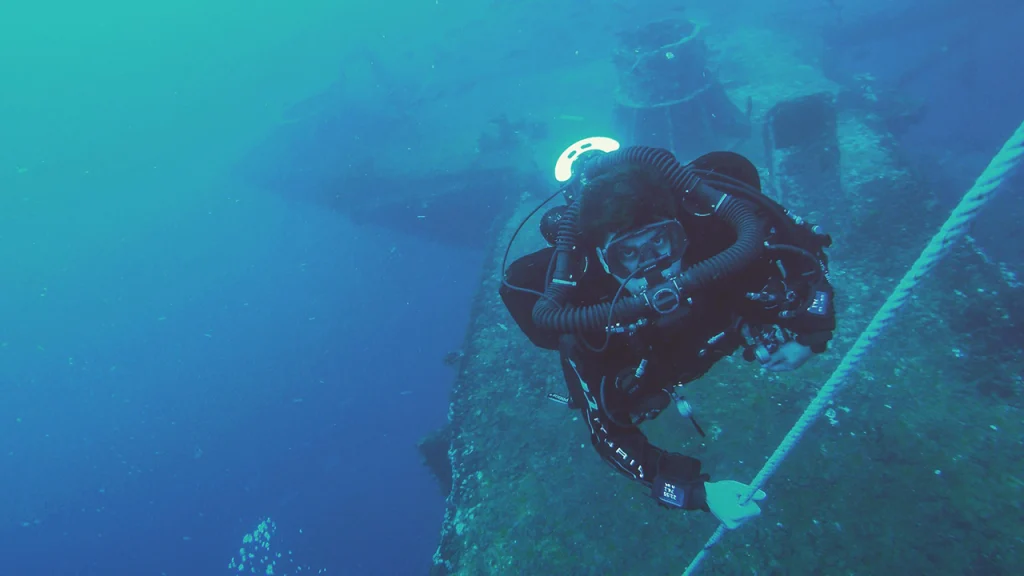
917	469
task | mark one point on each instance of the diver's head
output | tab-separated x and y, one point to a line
635	252
629	216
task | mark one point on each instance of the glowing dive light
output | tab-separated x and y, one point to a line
563	168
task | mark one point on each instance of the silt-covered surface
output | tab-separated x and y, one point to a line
918	472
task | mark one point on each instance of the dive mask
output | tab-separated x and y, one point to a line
656	245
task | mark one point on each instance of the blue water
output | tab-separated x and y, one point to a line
241	363
183	355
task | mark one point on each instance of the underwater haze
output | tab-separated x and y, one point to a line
182	357
247	251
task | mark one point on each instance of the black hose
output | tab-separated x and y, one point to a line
553	312
747	248
817	270
566	241
790	231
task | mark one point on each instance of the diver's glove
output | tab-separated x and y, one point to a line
725	500
789	356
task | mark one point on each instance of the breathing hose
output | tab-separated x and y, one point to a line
553	312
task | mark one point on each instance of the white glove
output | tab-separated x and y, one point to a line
725	499
789	356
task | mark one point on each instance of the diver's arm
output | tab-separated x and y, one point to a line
675	480
815	322
804	309
529	273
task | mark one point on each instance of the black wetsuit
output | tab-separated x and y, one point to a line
602	385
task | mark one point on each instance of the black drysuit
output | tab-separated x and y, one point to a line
603	385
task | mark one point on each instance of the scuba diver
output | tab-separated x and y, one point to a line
655	271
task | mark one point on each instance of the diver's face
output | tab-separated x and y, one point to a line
639	250
632	256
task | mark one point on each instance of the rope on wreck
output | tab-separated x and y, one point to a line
955	228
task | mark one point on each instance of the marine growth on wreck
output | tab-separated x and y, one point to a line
914	468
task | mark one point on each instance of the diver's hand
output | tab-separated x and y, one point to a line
725	500
789	356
